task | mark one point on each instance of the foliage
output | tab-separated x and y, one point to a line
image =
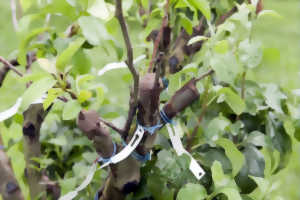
243	141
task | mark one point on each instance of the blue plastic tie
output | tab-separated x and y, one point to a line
1	147
96	196
151	129
138	156
105	160
165	117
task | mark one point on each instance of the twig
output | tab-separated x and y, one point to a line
14	14
10	66
204	75
112	126
159	36
243	85
200	118
129	62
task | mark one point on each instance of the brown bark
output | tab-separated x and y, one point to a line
33	119
123	176
9	188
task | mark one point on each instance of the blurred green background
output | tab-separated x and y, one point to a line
281	41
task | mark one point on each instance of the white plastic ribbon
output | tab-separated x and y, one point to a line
11	111
123	154
195	168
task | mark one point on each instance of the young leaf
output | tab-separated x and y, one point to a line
71	110
250	53
235	156
37	90
65	57
192	191
93	29
203	6
235	102
24	45
101	9
53	93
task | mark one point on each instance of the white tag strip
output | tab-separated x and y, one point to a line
11	111
195	168
123	154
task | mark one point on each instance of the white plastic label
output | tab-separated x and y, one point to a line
195	168
134	142
11	111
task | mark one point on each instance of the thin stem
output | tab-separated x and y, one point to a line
129	62
10	66
204	75
243	85
111	125
200	118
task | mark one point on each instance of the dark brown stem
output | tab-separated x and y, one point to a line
133	104
10	66
200	118
243	85
204	75
112	126
164	24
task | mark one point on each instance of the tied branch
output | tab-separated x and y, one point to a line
134	95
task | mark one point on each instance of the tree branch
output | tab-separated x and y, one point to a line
112	126
204	75
33	119
10	66
133	104
9	188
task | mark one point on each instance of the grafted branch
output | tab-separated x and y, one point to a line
134	94
33	119
9	188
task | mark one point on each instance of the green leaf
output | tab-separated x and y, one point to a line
37	90
262	190
250	53
235	156
231	193
71	110
93	29
221	47
216	128
84	95
53	93
65	57
24	44
220	179
47	65
187	24
270	13
101	9
192	191
256	138
273	96
195	39
203	6
225	66
235	102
